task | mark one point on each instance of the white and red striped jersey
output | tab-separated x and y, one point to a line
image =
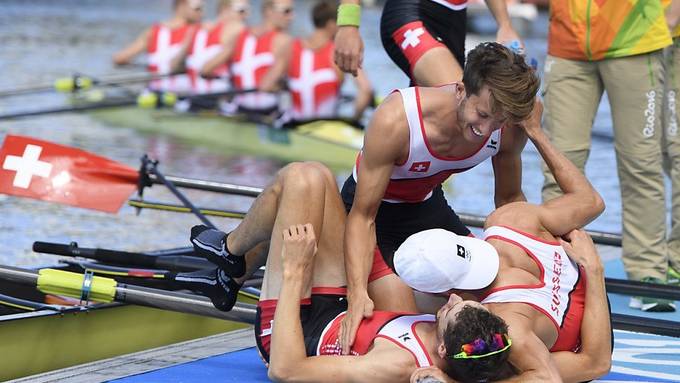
163	46
206	44
252	59
456	5
423	170
313	81
398	328
560	294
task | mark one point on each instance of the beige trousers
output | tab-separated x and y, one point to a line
634	86
671	146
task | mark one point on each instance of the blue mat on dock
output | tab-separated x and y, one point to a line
637	357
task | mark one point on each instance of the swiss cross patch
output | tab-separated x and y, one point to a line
460	251
420	167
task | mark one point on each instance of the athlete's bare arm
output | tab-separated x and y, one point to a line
385	141
230	33
499	10
580	203
594	357
349	47
138	46
507	167
289	362
178	63
271	81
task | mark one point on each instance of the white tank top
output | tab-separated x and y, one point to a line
559	275
414	180
402	332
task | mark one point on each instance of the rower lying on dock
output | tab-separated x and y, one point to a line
468	340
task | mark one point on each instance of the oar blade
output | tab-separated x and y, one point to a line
46	171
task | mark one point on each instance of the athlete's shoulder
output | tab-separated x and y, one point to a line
520	215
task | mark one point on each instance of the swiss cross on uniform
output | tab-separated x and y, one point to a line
420	167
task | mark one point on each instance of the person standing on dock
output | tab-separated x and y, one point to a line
671	139
425	38
162	42
258	58
616	47
314	80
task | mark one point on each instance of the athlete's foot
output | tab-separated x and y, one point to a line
214	284
211	244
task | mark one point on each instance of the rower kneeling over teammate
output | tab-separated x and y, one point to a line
302	304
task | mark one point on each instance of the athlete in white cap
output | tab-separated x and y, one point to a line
524	272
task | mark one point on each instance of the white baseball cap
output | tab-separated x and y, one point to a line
437	260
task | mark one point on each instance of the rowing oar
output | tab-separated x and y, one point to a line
27	305
79	81
88	287
125	258
151	167
165	99
599	237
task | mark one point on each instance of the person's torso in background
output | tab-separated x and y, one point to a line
601	29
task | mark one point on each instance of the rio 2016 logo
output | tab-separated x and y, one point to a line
650	118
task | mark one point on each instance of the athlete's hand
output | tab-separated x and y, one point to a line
580	248
532	125
299	248
508	37
349	49
360	307
430	374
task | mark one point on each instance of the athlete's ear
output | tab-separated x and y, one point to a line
441	350
460	91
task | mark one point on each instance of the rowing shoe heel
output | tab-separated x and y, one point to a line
211	244
214	284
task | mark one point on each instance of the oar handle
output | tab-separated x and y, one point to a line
102	255
124	258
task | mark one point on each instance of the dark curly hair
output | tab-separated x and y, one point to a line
473	323
512	82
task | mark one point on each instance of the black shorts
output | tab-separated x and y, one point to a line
397	221
315	314
443	26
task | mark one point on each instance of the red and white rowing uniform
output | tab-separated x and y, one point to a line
206	44
313	81
164	45
253	57
414	180
398	328
456	5
561	293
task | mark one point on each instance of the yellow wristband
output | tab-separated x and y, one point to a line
349	14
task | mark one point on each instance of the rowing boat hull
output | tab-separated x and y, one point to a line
45	340
333	143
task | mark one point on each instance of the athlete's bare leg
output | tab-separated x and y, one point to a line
301	193
437	67
390	293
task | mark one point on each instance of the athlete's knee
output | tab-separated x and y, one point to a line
303	177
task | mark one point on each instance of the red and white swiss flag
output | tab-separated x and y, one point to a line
42	170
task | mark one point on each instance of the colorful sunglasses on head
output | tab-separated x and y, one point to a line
473	350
